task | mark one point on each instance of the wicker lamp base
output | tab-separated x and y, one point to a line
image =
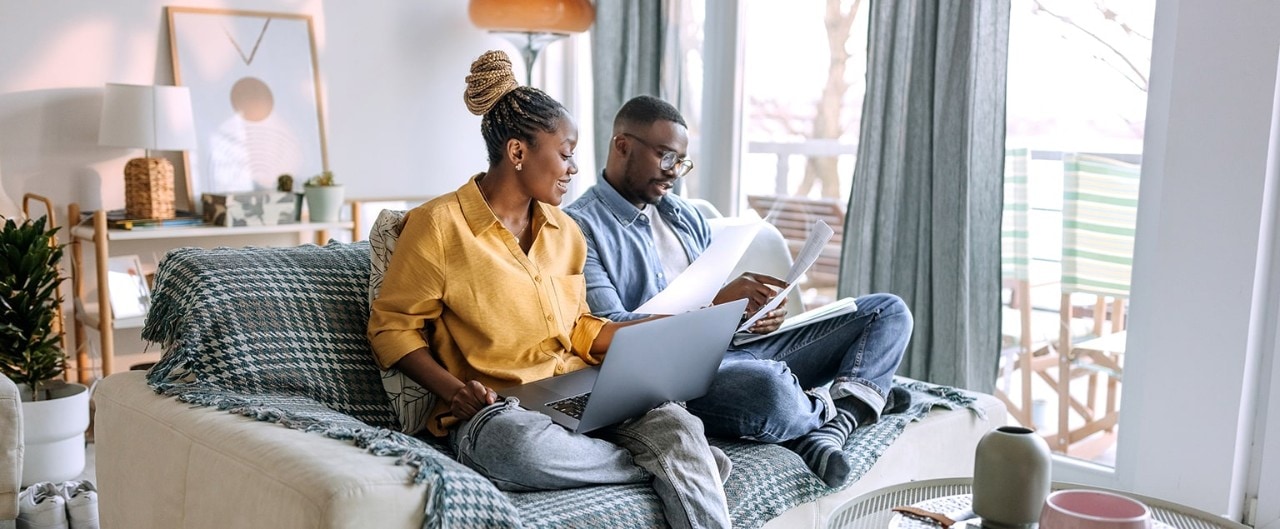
148	189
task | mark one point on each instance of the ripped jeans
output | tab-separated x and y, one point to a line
759	391
520	450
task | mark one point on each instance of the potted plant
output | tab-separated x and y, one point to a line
284	184
324	197
55	413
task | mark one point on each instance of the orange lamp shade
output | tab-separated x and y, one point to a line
554	16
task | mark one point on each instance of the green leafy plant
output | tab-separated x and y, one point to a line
30	347
284	183
323	179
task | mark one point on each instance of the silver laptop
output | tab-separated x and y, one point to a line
668	359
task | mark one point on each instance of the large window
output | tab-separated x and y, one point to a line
1077	87
802	71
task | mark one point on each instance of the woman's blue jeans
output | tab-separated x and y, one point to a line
522	450
759	391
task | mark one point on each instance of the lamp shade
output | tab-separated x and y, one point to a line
553	16
149	117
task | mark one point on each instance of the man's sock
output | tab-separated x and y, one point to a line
899	401
823	449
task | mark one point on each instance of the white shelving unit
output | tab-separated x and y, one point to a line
89	313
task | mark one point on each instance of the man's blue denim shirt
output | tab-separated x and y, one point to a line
623	269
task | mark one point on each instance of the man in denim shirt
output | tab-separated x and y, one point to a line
640	237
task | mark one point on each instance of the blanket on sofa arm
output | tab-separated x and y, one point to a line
278	334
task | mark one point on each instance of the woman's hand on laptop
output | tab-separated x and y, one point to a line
470	399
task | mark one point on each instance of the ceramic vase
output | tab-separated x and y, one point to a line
1011	470
324	203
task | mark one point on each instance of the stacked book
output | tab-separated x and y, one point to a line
116	219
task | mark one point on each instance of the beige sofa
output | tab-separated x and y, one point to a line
10	452
165	464
162	463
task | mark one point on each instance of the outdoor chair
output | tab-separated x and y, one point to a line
1100	203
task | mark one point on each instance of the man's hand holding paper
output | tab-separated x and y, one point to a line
818	237
757	289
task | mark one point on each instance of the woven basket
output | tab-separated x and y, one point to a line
148	189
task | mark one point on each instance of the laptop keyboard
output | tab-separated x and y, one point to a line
571	406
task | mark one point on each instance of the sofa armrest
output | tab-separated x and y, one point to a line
163	463
11	448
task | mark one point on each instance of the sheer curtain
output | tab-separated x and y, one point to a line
924	213
627	43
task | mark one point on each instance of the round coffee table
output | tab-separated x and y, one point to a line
873	509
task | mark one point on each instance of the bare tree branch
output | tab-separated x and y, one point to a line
1109	15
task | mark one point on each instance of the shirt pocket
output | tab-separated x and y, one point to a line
568	293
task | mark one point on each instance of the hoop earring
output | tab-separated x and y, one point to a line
520	166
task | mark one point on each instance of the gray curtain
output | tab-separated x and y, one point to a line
627	41
924	212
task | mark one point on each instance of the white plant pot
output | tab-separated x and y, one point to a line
324	203
53	432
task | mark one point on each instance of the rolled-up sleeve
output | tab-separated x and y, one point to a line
411	293
585	331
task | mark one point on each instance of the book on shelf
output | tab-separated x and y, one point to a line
118	220
823	313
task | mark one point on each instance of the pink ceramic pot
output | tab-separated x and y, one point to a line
1093	509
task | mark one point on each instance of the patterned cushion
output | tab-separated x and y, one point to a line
411	402
269	321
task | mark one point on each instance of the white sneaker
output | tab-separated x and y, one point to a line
41	506
82	504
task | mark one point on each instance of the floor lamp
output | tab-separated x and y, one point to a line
531	25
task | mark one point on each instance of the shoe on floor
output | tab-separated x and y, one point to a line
41	506
82	504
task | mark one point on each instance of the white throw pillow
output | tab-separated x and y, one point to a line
412	403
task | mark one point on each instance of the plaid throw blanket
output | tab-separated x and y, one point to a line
278	334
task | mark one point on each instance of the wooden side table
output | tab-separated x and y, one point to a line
873	509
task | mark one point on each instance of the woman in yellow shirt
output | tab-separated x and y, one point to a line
485	290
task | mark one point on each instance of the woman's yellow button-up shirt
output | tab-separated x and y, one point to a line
458	283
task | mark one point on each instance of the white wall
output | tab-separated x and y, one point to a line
392	75
1190	375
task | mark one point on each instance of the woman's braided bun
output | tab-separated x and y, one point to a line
491	78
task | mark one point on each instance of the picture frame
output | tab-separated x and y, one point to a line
255	97
127	281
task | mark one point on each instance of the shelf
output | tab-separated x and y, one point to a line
87	313
85	231
93	231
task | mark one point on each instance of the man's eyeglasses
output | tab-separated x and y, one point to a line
670	160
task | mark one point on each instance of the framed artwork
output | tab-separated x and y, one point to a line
255	97
130	295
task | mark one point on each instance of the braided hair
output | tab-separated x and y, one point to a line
509	111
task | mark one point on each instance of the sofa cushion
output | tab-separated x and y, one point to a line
286	321
410	401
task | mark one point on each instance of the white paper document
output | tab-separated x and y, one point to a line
697	286
818	237
836	308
